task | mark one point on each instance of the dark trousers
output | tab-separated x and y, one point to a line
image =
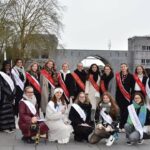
18	97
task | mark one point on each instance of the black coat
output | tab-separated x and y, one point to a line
128	84
75	117
82	75
69	82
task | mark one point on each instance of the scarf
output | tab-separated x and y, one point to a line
22	72
32	100
142	113
106	79
34	74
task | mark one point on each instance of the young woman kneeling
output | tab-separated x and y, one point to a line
57	121
80	116
107	118
138	119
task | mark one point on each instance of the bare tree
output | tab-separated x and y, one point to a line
29	17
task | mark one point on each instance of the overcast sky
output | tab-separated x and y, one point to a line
91	24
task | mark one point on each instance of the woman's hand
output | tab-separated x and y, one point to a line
85	124
34	120
63	110
99	126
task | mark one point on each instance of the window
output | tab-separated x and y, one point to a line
143	61
145	48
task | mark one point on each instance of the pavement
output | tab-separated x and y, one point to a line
13	142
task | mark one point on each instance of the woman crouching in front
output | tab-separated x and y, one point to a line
28	117
57	118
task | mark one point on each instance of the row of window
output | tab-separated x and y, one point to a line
146	48
145	61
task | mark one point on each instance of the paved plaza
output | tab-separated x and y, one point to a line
13	142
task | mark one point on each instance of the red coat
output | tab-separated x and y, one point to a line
25	116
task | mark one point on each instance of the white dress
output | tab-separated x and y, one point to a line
93	95
58	130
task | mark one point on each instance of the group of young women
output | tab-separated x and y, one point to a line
92	104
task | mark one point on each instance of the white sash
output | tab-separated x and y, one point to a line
105	116
148	88
135	120
80	111
8	80
15	74
30	106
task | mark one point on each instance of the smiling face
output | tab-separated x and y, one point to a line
65	67
58	95
19	63
106	99
7	67
107	70
124	68
82	97
80	66
34	67
29	92
139	70
94	68
137	99
50	64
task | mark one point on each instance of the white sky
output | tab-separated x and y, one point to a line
91	24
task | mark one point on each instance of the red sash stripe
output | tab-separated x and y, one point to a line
139	82
34	82
63	86
78	80
97	88
48	77
122	89
102	86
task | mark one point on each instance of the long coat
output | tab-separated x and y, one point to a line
56	124
81	132
7	119
92	93
47	92
25	117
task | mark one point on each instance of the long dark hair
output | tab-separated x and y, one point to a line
90	71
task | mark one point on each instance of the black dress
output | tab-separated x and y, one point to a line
7	119
81	132
122	102
83	76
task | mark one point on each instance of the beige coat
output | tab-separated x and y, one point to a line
56	122
45	93
93	95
